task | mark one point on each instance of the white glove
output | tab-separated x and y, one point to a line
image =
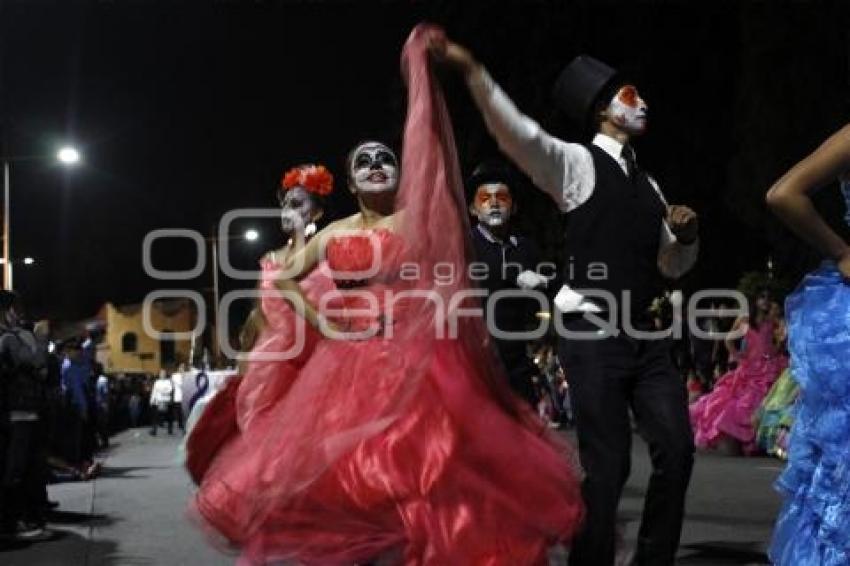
568	300
530	280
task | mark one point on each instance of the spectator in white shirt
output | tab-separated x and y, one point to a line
177	404
162	396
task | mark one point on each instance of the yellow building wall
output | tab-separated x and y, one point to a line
178	316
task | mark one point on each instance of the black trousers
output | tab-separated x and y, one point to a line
607	377
102	424
24	480
177	414
160	415
75	435
519	369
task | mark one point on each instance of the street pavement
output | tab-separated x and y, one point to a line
135	513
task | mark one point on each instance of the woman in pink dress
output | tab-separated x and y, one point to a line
725	415
398	442
278	341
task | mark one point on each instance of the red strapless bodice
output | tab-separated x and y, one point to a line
356	259
365	266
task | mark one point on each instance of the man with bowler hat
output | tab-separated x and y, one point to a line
510	276
621	237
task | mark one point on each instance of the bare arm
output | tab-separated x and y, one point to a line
298	266
679	244
677	253
790	200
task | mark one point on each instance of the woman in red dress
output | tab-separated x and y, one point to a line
398	442
278	341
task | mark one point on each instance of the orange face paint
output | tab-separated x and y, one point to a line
628	110
628	95
486	193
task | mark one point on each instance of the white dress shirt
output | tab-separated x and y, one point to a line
177	380
565	172
162	392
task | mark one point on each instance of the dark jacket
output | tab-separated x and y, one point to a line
505	261
23	372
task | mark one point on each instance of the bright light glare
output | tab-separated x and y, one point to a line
251	235
68	155
28	261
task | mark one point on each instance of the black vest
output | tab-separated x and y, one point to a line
619	227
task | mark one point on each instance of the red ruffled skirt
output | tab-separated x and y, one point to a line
369	457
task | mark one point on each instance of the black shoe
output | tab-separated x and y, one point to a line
32	532
26	532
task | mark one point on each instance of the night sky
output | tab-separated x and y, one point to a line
185	110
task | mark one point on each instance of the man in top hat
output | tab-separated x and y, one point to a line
511	262
620	238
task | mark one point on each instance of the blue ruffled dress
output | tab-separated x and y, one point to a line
813	527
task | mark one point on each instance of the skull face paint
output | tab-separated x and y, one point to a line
297	210
493	204
628	110
373	168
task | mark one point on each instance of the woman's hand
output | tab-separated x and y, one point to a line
451	53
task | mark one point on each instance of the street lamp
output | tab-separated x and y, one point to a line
68	156
249	235
26	261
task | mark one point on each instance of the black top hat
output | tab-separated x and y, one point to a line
580	85
490	172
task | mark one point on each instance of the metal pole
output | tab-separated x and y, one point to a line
191	363
215	344
7	211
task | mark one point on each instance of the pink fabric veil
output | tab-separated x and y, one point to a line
435	222
378	378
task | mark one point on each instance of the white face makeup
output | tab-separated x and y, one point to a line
493	204
374	168
628	110
297	210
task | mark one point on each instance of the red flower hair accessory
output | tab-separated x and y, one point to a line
314	178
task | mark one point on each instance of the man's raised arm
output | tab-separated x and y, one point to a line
563	170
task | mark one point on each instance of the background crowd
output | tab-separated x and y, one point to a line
740	389
58	409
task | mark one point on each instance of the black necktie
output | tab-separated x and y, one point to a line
628	155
